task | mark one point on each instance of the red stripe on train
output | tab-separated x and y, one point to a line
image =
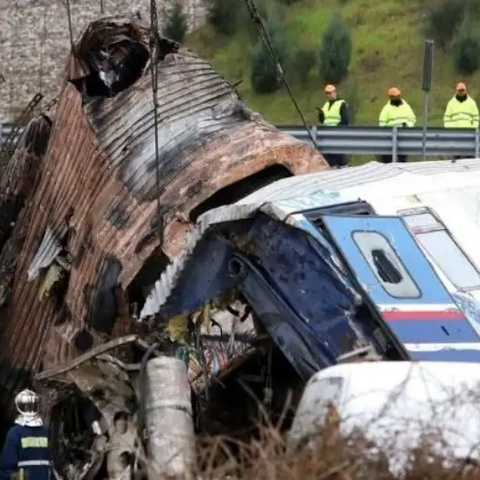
419	315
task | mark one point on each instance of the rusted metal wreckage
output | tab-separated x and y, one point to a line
79	215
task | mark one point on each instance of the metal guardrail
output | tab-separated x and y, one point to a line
377	140
390	141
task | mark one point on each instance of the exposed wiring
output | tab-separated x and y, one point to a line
154	41
263	33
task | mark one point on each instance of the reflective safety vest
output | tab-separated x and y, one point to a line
26	452
461	114
332	112
396	116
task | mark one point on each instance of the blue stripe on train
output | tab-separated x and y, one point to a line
433	331
448	356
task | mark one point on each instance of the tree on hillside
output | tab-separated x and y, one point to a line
303	60
335	51
265	76
444	18
223	15
466	48
176	25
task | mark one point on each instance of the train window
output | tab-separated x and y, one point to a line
386	265
446	254
441	247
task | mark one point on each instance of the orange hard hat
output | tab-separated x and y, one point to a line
330	89
461	87
394	92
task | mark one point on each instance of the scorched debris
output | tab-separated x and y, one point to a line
78	211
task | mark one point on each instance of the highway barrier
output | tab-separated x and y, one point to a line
359	140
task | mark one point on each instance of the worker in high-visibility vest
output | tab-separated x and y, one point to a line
396	113
26	452
462	110
334	113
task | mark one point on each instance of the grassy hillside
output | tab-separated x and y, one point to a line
388	48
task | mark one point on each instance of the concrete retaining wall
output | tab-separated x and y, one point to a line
35	41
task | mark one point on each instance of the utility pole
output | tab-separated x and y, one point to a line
426	87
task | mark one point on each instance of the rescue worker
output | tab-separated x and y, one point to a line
26	452
396	113
334	113
461	111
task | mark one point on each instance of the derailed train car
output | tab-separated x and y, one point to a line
85	227
330	275
273	288
322	273
256	295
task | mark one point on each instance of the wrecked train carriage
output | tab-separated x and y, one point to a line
305	311
438	203
322	273
90	224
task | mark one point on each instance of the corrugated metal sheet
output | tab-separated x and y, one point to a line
164	285
97	192
340	179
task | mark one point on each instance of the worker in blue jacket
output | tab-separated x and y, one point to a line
26	451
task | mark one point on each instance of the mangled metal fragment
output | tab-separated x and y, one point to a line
96	188
110	387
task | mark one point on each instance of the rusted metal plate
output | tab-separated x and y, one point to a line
95	198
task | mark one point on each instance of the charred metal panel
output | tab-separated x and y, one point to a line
103	311
205	277
305	296
97	182
19	175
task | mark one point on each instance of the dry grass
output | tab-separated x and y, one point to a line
334	458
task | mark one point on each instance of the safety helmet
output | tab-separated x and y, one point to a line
394	92
27	402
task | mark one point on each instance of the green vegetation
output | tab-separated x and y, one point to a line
176	25
335	51
387	40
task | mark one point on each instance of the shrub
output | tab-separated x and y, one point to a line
335	51
444	19
302	63
223	15
265	76
466	49
176	25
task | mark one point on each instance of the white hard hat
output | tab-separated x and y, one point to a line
27	401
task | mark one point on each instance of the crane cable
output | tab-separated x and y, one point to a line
70	28
154	42
265	38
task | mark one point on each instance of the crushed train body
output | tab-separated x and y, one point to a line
231	259
79	229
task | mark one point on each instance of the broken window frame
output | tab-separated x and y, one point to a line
435	226
359	208
397	263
